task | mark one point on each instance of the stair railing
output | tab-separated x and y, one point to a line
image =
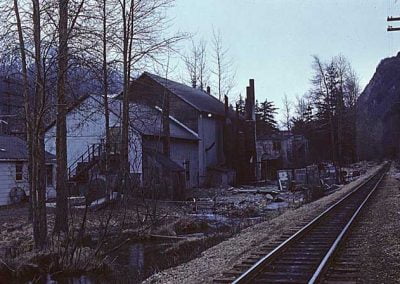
93	151
87	156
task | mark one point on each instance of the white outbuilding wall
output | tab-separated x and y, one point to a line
8	181
86	126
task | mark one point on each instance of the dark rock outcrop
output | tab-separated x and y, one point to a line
378	113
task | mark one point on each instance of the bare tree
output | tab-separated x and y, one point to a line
334	92
140	38
105	32
53	36
223	68
323	98
67	20
104	35
61	221
287	113
35	109
352	85
26	98
196	64
39	168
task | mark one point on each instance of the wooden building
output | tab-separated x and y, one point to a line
14	184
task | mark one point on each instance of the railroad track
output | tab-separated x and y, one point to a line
306	255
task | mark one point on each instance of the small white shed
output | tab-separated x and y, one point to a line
14	170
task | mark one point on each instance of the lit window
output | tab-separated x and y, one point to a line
18	171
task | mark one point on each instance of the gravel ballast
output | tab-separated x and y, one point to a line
376	234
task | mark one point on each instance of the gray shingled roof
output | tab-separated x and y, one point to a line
14	148
148	121
200	100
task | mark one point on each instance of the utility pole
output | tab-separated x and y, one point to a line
393	19
393	29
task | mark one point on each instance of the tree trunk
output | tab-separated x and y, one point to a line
37	138
61	221
165	125
125	100
105	96
27	109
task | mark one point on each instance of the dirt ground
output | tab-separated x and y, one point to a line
225	255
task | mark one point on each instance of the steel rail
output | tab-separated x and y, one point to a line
325	261
254	270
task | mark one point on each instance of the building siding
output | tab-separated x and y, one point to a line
182	152
85	127
8	181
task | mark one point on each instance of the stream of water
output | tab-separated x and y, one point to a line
137	261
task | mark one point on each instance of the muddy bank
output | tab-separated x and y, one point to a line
173	241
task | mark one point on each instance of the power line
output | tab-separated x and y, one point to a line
392	19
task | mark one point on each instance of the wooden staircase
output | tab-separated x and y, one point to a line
78	171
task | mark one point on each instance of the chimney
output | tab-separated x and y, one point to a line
250	115
208	90
252	100
250	111
226	106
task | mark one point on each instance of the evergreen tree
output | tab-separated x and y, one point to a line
332	98
240	104
265	117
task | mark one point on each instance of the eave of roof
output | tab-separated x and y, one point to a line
207	104
76	104
194	136
15	149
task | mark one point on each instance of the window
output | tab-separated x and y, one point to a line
18	171
186	165
49	175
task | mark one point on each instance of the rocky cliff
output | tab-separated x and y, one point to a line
378	113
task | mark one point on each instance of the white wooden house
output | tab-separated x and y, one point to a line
14	170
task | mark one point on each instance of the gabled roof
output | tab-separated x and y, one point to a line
200	100
70	108
15	149
148	120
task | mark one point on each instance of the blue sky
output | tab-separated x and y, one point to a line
272	41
